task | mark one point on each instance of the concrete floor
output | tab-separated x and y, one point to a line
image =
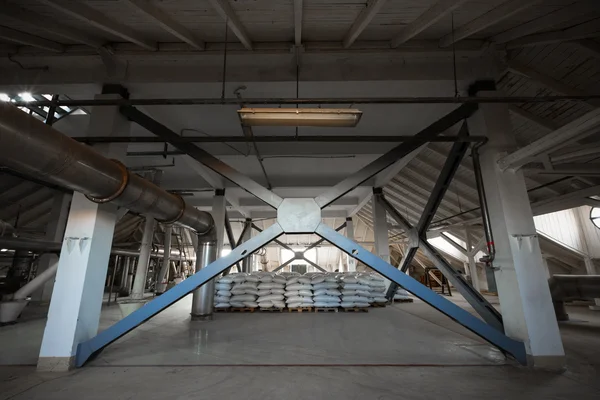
404	351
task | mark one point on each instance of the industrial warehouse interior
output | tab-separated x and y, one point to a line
294	199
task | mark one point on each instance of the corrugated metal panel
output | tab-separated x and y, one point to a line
591	232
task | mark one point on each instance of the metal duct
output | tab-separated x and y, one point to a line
572	287
31	147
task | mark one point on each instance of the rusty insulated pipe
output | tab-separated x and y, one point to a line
30	147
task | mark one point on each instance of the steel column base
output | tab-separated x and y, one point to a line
207	317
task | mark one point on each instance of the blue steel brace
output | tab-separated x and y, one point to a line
469	321
94	345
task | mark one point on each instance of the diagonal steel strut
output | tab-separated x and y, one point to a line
94	345
469	321
475	299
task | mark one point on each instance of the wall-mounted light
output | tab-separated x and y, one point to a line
323	117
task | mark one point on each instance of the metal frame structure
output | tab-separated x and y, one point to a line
304	216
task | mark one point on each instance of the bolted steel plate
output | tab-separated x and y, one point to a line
299	215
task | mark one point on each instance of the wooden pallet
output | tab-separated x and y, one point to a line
242	309
378	305
300	309
272	310
218	310
403	300
326	309
355	309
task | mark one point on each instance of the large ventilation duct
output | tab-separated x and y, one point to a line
572	287
31	147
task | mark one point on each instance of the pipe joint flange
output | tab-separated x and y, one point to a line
178	217
120	190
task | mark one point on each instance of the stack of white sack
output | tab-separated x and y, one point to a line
223	291
298	291
376	284
354	293
402	294
244	291
326	293
271	288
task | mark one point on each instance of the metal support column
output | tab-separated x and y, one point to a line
163	275
209	251
350	261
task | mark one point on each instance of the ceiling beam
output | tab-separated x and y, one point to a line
298	22
547	81
541	122
589	46
587	30
425	20
362	21
39	21
492	17
571	132
548	21
224	9
566	201
167	23
89	15
30	40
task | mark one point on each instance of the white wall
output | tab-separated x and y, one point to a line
562	226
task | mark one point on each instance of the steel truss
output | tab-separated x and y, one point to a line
303	216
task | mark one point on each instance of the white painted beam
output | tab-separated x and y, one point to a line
362	21
167	23
575	130
567	169
492	17
587	30
385	176
425	20
298	22
49	25
549	82
29	40
542	122
547	21
224	9
566	201
89	15
363	201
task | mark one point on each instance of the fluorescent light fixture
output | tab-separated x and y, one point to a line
4	97
324	117
26	96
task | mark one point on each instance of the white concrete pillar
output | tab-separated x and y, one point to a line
523	291
351	261
591	269
247	262
141	270
76	303
77	298
381	235
55	231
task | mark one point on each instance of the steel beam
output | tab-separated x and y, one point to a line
91	347
490	333
202	156
474	298
372	169
232	242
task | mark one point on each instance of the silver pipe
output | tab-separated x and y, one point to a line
203	297
46	246
30	147
485	214
139	282
36	283
162	275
